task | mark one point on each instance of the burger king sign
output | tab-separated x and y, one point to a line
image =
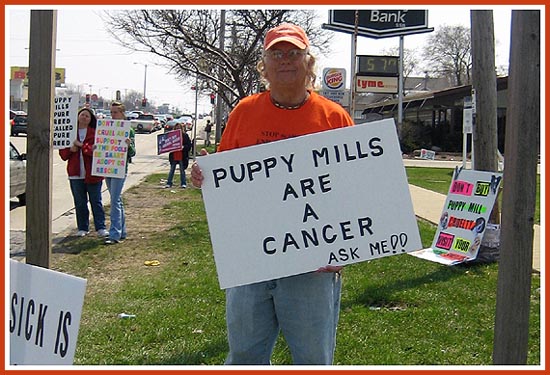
334	79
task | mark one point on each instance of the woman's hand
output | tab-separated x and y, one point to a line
196	172
76	145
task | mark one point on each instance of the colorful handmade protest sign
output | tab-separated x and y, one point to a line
464	218
109	159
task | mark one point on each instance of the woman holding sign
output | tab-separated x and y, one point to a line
181	158
304	307
84	186
117	231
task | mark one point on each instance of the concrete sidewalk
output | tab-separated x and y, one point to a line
429	206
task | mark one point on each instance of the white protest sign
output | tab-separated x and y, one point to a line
109	159
465	215
427	154
65	121
45	310
288	207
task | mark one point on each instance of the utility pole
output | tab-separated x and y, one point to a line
38	226
219	102
518	201
485	85
353	85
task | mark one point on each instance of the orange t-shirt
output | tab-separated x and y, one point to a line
257	120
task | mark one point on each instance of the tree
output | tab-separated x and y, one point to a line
132	99
187	43
448	53
410	61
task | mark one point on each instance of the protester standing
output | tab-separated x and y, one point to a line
85	187
304	307
207	130
117	231
179	158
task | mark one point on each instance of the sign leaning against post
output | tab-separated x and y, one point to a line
109	159
465	217
331	198
65	121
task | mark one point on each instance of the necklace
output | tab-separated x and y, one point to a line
281	106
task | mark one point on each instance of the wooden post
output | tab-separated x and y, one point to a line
485	83
39	138
518	203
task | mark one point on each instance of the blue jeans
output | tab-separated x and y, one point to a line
82	192
304	307
117	231
173	165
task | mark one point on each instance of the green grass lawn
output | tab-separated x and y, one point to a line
398	310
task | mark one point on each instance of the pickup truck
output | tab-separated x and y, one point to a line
145	123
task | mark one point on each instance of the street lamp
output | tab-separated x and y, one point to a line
144	80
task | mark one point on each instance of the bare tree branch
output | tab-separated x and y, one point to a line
187	43
448	53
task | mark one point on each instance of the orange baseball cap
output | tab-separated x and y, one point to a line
286	32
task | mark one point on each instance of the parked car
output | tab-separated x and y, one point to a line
18	122
162	119
145	123
186	121
18	174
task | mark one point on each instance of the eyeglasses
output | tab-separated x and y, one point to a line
293	54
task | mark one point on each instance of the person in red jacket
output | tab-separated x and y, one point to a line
84	186
181	158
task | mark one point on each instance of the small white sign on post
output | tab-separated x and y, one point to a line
45	310
65	121
109	159
427	154
288	207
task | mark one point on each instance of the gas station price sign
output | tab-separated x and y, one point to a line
385	66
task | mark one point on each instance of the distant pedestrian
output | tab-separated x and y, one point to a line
84	186
181	158
207	130
117	231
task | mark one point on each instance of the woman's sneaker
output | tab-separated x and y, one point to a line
111	241
103	233
82	233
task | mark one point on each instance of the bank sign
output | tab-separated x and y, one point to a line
379	23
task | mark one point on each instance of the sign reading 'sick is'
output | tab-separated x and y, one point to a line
334	78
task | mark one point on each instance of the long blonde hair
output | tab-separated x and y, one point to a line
311	77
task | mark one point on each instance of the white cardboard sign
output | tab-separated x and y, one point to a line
288	207
65	121
45	310
109	159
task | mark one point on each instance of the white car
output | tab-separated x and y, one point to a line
18	174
